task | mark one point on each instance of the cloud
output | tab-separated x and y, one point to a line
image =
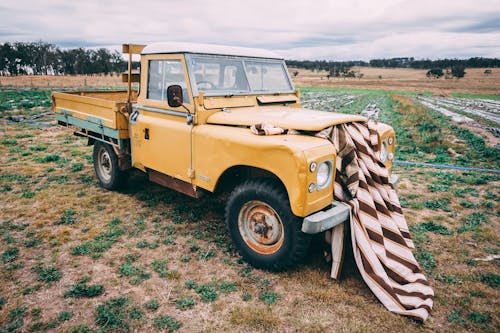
321	29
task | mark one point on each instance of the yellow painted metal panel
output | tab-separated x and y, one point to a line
284	117
105	106
216	148
168	148
289	98
132	48
228	102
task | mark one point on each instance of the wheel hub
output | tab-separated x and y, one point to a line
104	164
261	227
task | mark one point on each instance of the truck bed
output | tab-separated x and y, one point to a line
101	113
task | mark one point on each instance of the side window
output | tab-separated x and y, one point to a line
163	73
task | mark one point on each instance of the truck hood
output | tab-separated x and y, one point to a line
284	117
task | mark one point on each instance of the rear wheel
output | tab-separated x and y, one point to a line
106	166
263	228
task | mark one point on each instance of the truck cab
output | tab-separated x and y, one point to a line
189	129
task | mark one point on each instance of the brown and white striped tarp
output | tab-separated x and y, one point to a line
383	249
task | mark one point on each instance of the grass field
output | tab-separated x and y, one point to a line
77	258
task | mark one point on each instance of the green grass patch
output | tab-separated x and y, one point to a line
47	273
441	203
490	279
84	290
101	242
28	194
431	227
10	255
206	292
226	287
24	99
166	323
47	158
456	317
472	222
77	167
185	303
269	297
152	305
476	96
425	259
160	267
113	315
67	217
479	318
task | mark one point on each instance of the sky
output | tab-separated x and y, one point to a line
295	29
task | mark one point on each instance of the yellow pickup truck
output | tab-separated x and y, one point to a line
188	128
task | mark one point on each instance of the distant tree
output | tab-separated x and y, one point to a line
435	73
458	71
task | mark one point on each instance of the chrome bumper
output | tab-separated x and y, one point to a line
324	220
337	214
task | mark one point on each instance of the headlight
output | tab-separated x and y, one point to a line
383	152
324	174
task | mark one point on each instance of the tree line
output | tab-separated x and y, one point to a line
40	58
404	62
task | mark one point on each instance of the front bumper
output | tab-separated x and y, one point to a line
337	214
327	219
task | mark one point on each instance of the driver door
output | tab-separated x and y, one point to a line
160	134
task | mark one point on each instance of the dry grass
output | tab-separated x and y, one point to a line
453	216
49	81
405	79
399	79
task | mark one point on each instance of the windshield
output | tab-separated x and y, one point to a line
224	75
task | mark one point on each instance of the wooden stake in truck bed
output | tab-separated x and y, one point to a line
188	128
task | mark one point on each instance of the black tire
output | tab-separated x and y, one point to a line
106	166
263	228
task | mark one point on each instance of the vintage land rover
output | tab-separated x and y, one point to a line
188	128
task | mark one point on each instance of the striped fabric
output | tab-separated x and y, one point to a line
380	238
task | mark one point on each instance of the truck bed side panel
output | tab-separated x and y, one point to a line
91	110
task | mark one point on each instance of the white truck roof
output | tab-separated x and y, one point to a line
173	47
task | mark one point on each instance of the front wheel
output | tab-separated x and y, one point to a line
263	228
106	166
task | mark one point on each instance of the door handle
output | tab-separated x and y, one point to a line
146	134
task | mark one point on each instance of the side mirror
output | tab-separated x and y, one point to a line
174	95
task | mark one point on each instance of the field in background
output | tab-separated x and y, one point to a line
77	258
398	79
405	79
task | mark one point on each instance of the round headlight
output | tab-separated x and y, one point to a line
383	151
313	166
323	175
390	140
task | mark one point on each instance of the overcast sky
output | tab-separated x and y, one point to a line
296	29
